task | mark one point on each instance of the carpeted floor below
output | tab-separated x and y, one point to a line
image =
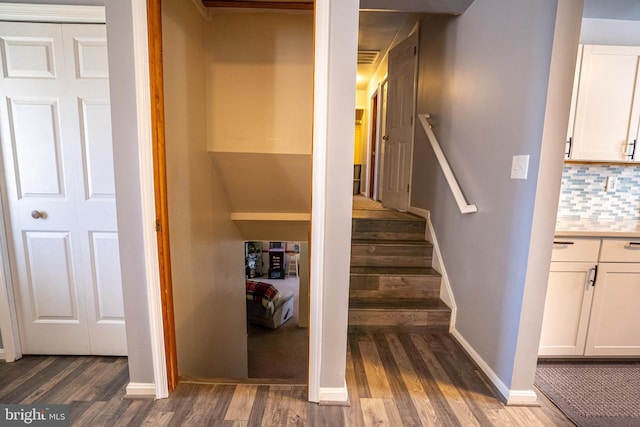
593	393
280	354
361	202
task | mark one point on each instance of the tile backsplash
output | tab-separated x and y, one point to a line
583	192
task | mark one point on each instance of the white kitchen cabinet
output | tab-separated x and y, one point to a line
592	307
604	125
566	309
614	326
569	296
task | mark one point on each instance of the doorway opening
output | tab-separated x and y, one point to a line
276	301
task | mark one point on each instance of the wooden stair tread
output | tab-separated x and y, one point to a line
398	304
365	214
394	271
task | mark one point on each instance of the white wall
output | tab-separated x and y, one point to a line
260	88
259	110
484	78
207	252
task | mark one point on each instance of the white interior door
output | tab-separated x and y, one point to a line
398	144
55	130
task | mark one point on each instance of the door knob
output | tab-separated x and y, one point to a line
385	137
37	214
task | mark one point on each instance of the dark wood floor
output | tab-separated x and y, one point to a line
394	379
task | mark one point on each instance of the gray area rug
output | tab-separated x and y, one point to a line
593	394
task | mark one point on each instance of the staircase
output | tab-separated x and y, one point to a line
392	283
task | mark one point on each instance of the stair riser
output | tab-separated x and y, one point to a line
393	286
414	258
383	235
388	229
397	248
381	261
399	318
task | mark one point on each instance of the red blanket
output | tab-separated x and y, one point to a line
263	292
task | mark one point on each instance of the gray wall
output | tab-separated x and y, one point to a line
610	32
337	222
484	78
127	173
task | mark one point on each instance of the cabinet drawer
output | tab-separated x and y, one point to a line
575	250
620	250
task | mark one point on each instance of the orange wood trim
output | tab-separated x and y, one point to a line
154	22
298	5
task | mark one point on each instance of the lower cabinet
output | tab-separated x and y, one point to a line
614	325
593	308
566	309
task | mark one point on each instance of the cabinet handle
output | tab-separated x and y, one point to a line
631	145
563	243
595	275
632	244
567	153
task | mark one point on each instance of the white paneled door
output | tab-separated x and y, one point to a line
55	131
398	143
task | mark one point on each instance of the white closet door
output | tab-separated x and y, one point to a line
55	130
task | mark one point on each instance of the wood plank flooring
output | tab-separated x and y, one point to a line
394	379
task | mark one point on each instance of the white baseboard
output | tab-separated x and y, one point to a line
141	390
422	213
446	293
522	398
334	394
510	397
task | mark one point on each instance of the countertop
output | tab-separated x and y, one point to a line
591	227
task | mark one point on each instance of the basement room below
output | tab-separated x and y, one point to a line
277	335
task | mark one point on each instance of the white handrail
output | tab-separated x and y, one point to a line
464	207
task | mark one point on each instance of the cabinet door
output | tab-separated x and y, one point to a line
607	108
566	309
574	99
614	327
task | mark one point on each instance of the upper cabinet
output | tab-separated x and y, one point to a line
605	110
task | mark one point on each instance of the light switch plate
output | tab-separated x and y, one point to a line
520	167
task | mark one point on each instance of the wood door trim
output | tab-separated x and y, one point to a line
154	23
373	144
248	4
